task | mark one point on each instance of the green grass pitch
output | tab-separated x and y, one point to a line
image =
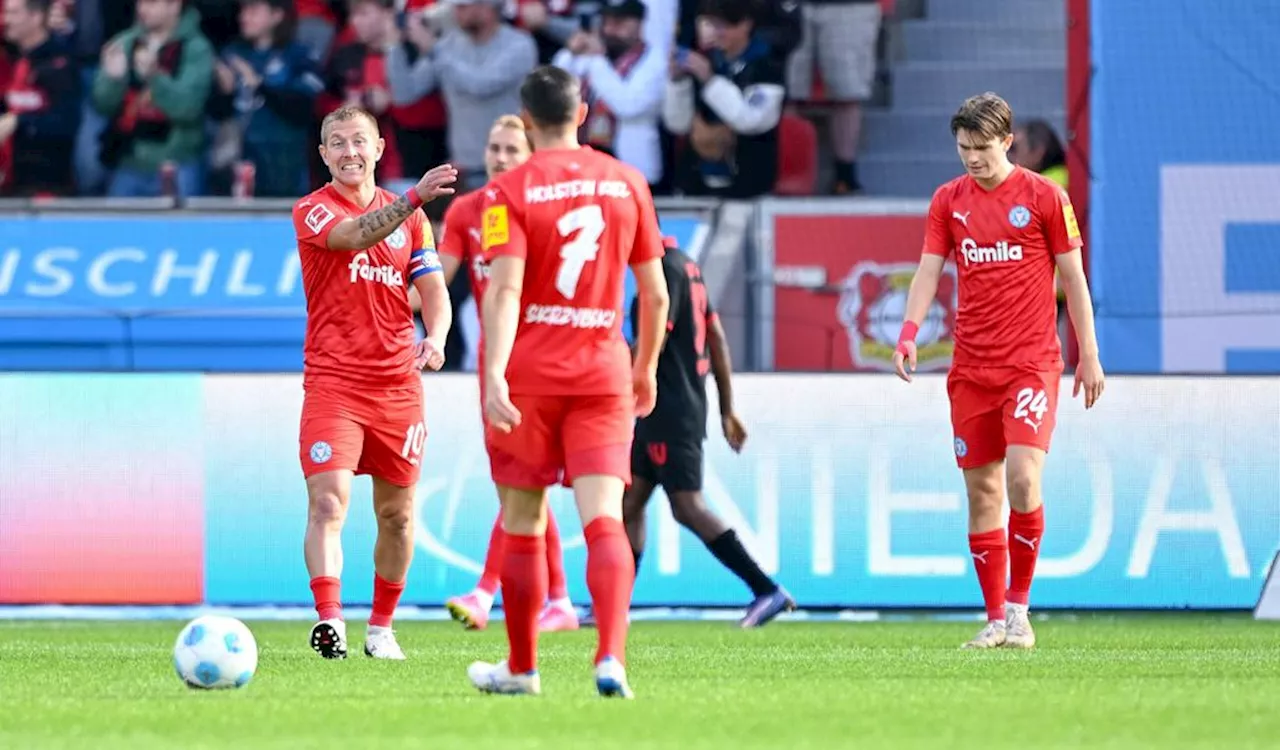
1167	681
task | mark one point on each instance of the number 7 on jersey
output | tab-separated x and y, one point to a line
588	223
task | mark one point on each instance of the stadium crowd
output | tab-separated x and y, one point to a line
141	98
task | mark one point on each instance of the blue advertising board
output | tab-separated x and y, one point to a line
1162	496
155	291
1185	224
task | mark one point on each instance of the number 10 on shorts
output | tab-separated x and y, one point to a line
415	436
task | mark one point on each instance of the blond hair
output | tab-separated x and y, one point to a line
346	114
512	122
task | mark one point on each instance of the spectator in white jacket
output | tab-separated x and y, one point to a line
623	81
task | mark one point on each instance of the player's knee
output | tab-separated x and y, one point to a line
986	496
688	509
1024	486
327	508
396	518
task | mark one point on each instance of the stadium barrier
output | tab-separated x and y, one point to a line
144	286
184	488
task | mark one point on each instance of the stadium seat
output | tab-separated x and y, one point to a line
797	156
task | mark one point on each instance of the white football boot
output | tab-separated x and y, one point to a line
611	679
329	638
380	643
991	636
497	679
1019	633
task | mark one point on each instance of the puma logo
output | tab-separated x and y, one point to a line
1029	542
980	556
963	218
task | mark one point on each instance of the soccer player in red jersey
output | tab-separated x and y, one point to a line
508	147
561	390
360	249
1008	229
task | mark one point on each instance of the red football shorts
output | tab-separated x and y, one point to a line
381	433
561	438
995	407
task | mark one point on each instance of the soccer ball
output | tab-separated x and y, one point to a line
215	652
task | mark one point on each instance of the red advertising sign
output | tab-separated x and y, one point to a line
841	286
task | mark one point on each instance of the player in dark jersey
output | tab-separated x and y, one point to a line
667	450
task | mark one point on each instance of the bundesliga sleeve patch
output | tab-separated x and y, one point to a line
319	217
1069	216
497	230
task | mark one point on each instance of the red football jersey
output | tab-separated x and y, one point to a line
460	238
578	218
1004	243
359	323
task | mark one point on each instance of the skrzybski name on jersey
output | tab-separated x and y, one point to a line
564	315
1003	252
576	189
361	269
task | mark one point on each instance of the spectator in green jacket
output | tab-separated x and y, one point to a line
152	86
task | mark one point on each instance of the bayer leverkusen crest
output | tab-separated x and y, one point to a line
871	307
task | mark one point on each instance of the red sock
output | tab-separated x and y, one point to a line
524	589
1025	530
611	572
386	595
327	593
556	586
991	561
492	575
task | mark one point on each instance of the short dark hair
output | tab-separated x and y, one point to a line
551	96
985	115
731	11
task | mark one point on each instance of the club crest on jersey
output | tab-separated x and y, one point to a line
397	239
321	452
361	269
871	306
962	448
1019	216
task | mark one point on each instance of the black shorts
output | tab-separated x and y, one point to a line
674	466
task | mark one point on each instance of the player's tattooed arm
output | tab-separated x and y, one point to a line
368	229
371	227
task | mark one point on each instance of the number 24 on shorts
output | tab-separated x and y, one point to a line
588	222
1031	402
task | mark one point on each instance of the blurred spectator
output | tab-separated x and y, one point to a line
840	37
551	23
623	84
479	66
1036	147
728	104
41	104
266	84
317	25
152	84
357	74
417	106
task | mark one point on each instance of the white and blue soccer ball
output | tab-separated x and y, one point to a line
215	652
